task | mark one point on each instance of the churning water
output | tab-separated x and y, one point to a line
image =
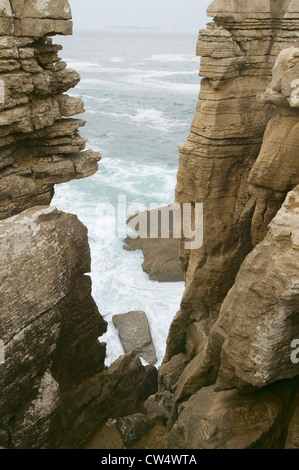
140	90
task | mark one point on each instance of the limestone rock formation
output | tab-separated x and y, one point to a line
159	407
52	355
276	170
150	381
39	147
239	50
133	427
54	388
262	307
239	312
200	372
54	378
170	372
240	308
135	335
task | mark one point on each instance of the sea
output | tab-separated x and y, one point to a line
140	90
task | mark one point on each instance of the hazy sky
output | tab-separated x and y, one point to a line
182	15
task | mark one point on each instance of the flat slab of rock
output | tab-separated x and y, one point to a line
161	255
134	334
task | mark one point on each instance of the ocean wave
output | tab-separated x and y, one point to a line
157	180
166	73
143	80
81	64
170	58
94	81
131	70
119	283
94	98
150	117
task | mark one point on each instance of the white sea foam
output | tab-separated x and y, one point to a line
94	81
93	67
168	73
81	65
145	81
119	283
94	98
130	100
170	58
150	117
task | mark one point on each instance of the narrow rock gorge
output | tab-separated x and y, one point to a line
228	379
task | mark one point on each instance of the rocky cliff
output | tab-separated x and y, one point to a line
227	380
232	337
54	388
40	144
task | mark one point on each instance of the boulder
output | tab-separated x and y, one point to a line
159	406
132	428
232	420
135	334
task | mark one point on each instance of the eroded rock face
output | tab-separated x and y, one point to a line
263	305
230	420
238	53
39	147
236	331
276	170
122	387
50	327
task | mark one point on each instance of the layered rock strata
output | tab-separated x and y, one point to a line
55	391
52	355
40	145
238	52
261	311
276	170
239	313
